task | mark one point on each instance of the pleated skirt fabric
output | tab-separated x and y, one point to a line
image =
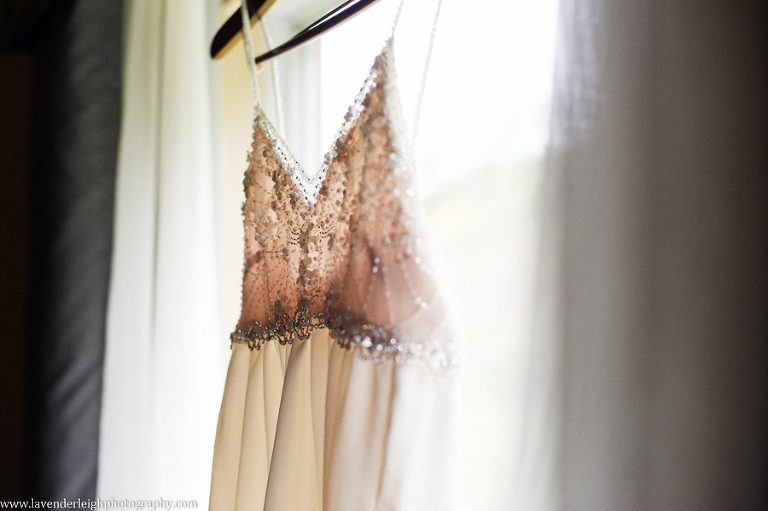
312	426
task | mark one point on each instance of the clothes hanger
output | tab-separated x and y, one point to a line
225	37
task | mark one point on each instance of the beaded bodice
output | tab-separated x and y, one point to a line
346	249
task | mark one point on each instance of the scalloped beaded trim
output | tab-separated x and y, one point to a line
373	343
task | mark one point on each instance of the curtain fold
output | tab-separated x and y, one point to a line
648	388
166	350
74	132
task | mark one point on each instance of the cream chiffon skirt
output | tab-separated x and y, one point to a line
311	426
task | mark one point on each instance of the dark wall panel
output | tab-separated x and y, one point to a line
15	87
75	127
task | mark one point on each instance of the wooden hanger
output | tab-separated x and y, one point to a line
226	36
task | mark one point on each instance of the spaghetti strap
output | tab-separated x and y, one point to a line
425	67
424	73
397	17
276	86
249	50
253	69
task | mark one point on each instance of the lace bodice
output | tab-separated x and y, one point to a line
347	249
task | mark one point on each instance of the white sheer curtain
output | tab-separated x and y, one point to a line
648	384
166	350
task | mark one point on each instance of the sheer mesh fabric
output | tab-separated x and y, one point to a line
348	249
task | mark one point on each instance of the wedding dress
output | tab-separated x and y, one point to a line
341	392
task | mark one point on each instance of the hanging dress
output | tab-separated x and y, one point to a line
342	392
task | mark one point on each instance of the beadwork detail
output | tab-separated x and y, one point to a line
346	249
374	343
285	329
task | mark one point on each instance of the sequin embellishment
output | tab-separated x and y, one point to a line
346	249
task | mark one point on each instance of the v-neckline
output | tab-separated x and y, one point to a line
308	186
